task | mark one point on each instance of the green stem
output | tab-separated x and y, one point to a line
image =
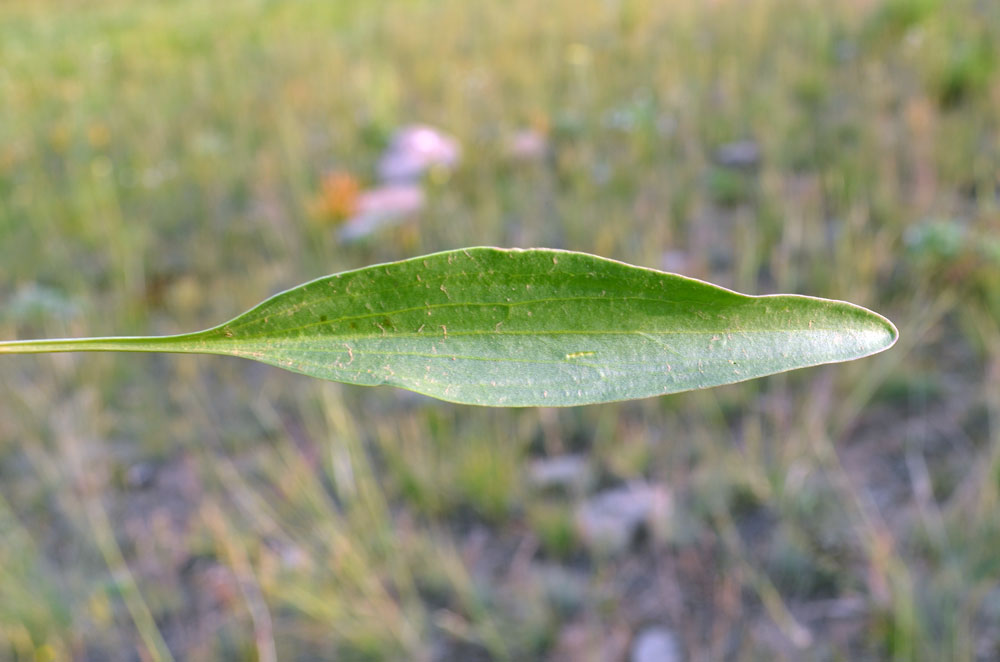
188	343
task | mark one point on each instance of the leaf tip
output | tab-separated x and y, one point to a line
881	333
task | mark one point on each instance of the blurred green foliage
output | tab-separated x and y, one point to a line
158	165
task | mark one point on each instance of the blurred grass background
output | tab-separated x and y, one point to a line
158	167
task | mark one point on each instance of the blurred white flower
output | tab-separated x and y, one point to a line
528	145
382	206
416	149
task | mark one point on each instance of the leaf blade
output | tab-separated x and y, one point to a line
509	327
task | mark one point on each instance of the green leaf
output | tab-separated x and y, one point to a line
498	327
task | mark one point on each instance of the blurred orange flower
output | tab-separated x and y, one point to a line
98	135
338	197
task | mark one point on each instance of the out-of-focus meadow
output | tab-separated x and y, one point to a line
165	166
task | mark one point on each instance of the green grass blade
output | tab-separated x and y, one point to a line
500	327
